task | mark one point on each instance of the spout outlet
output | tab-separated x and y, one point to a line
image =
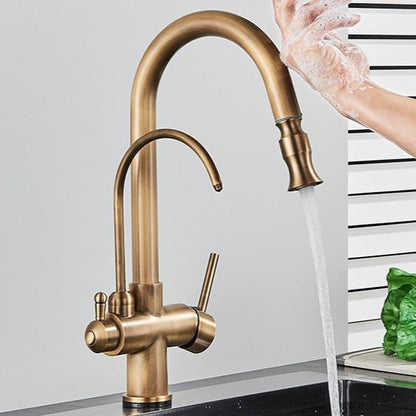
297	153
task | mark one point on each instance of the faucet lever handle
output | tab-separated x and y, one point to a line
205	329
100	300
208	280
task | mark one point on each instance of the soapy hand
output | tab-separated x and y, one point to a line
331	65
339	70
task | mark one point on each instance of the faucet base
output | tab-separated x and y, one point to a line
155	402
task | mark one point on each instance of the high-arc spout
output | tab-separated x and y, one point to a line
287	116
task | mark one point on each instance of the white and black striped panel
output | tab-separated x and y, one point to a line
387	177
369	147
378	22
365	305
371	272
367	334
400	81
388	53
381	177
382	209
387	34
385	240
365	328
393	19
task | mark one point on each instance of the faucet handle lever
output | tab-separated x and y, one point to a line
100	300
208	280
205	329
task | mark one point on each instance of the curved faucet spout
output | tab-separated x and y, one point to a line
123	168
287	116
211	23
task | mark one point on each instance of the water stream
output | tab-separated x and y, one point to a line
312	219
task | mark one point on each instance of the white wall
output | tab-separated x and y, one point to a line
65	77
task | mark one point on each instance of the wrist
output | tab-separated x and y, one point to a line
355	103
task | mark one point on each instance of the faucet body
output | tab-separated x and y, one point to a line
138	324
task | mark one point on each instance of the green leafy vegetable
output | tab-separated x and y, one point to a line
390	315
397	278
406	330
399	315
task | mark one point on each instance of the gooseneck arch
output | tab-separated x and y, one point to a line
279	89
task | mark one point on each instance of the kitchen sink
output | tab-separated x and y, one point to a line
357	398
293	390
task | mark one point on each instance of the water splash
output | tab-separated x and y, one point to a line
310	208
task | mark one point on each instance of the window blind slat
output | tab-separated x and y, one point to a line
365	335
368	273
371	146
381	177
375	21
388	52
383	240
384	208
365	305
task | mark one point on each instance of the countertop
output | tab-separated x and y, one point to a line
212	389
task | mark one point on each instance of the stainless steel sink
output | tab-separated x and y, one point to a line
358	399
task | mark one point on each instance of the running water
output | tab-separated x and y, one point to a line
312	219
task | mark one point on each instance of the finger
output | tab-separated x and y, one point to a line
309	12
276	7
286	5
317	7
321	6
276	4
283	11
329	21
340	43
335	38
349	49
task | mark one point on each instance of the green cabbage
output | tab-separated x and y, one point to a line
406	330
399	315
397	278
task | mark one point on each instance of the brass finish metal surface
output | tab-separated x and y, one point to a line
119	188
204	335
138	324
297	154
208	280
100	302
279	89
101	336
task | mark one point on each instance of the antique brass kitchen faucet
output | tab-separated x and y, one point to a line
141	326
136	323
